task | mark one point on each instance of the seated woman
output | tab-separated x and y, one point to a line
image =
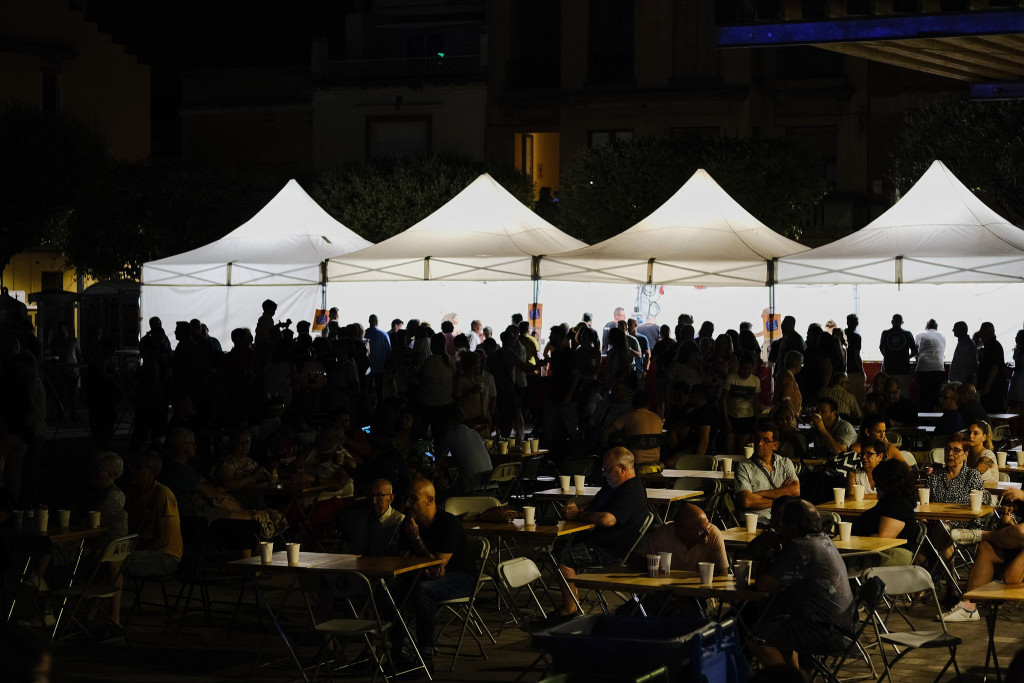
893	514
872	428
872	453
328	463
979	445
239	474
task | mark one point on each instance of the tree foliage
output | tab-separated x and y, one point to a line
982	143
381	198
609	189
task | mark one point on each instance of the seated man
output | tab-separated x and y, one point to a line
691	539
899	409
374	530
832	434
999	553
637	422
839	391
153	515
764	476
969	404
815	609
951	420
617	511
467	450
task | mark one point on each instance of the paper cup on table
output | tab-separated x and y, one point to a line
43	520
742	572
564	481
64	518
1001	458
976	501
726	464
512	442
924	495
858	492
748	450
840	496
94	519
579	481
293	554
707	572
845	531
526	447
503	447
751	520
536	445
266	552
653	563
665	563
529	515
489	443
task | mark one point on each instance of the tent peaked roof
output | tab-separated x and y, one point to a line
482	233
938	232
700	236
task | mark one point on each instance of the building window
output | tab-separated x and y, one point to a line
397	137
610	41
603	138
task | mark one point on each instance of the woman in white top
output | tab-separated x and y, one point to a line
978	437
931	359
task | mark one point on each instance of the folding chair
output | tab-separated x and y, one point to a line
473	505
515	574
829	664
830	522
900	581
909	458
503	479
117	551
363	621
690	461
465	608
643	442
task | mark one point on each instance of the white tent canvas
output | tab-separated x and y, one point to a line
700	236
481	234
277	254
939	232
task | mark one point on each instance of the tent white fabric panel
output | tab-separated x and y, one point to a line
700	236
939	232
482	233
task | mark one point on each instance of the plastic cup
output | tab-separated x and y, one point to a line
512	442
976	501
489	443
536	445
742	572
94	519
653	563
840	495
726	464
266	552
564	481
845	531
751	521
529	515
1001	458
64	518
19	519
707	572
924	495
293	554
503	447
526	447
579	481
43	520
858	492
748	450
665	563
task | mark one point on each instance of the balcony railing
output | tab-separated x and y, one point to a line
403	68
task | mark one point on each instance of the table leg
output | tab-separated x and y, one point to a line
260	597
71	581
990	621
405	627
942	561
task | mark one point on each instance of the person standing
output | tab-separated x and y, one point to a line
964	367
897	347
617	315
991	371
854	364
931	365
379	344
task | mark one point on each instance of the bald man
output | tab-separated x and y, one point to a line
691	539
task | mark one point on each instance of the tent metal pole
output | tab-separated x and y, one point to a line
323	284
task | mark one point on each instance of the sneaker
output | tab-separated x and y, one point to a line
35	583
959	613
966	536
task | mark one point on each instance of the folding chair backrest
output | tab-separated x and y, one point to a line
830	522
870	594
518	572
902	580
909	458
644	441
1004	476
119	549
460	505
688	461
648	520
480	547
506	472
1000	433
938	456
341	584
917	535
531	466
895	438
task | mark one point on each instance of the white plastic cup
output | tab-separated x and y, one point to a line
578	482
707	572
840	495
64	518
845	531
742	572
665	563
1001	459
751	520
858	492
503	447
653	563
19	519
512	442
726	464
266	552
976	497
293	554
924	495
43	520
564	481
529	515
535	443
94	519
748	450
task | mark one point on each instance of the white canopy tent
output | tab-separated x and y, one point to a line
278	254
938	233
481	234
700	236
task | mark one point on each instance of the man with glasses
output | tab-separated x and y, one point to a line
617	512
374	530
951	420
899	409
765	476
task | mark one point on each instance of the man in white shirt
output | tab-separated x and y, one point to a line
931	366
476	329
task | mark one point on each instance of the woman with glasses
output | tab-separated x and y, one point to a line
872	453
